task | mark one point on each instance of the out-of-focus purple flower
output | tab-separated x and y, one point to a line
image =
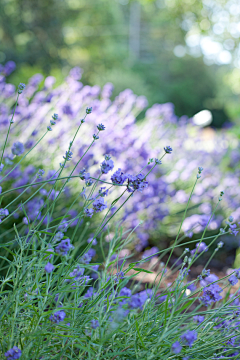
94	324
150	253
141	102
86	258
1	167
176	347
118	177
192	287
107	165
107	90
232	229
189	337
99	205
233	280
40	173
9	67
49	82
211	294
59	235
199	318
118	276
88	212
13	354
205	273
94	242
63	226
3	213
49	267
64	247
76	73
18	148
139	299
200	247
58	316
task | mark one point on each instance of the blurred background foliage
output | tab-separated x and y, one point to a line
182	51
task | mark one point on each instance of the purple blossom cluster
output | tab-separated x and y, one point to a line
58	316
13	354
211	294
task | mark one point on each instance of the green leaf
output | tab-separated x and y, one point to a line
142	270
137	327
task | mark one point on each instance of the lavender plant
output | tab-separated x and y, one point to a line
56	302
159	125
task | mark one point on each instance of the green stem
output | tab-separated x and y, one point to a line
11	122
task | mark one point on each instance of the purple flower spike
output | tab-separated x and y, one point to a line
233	280
88	212
94	324
49	267
18	148
189	337
64	247
176	347
99	205
168	149
107	165
13	353
118	177
211	294
58	316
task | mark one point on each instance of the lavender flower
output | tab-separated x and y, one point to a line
40	173
189	337
118	177
137	183
204	274
68	155
21	87
95	137
59	235
119	275
49	267
13	354
88	212
107	165
94	324
199	318
63	226
102	192
168	149
9	67
211	294
55	116
58	316
18	148
64	247
176	347
88	110
158	162
1	167
200	247
233	280
99	205
49	128
101	127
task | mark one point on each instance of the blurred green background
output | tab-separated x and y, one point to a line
182	51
